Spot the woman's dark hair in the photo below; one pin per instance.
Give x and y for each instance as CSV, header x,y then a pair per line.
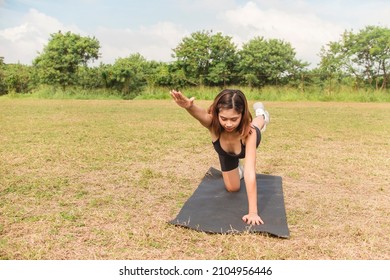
x,y
231,99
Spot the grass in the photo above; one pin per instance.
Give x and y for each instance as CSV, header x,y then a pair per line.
x,y
99,179
268,93
280,93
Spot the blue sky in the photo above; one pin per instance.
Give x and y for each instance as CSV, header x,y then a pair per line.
x,y
154,27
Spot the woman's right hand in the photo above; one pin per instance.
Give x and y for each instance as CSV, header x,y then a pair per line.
x,y
252,219
182,100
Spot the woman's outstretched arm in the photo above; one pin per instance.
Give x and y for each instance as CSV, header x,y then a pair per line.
x,y
197,112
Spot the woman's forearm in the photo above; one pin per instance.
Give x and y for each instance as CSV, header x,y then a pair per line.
x,y
251,189
200,114
188,103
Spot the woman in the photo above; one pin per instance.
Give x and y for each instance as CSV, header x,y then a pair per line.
x,y
235,135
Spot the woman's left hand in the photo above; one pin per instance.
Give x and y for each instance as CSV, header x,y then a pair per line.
x,y
252,219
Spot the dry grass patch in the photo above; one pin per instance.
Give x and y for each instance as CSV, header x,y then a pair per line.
x,y
100,180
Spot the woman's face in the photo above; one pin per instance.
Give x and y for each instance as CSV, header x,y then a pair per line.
x,y
229,119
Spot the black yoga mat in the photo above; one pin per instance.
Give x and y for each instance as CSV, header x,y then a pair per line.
x,y
212,209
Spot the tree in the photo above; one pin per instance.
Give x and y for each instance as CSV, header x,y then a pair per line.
x,y
223,58
206,58
59,62
153,72
3,86
364,55
18,78
263,62
333,65
129,74
90,77
174,76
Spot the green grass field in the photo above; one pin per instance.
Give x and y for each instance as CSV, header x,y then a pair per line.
x,y
100,179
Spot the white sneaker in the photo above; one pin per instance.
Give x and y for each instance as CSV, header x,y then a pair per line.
x,y
241,171
260,111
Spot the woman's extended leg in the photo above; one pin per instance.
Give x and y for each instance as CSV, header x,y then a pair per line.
x,y
259,122
262,116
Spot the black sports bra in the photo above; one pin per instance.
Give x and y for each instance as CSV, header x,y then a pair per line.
x,y
222,152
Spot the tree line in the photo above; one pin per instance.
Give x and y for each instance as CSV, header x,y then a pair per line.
x,y
357,59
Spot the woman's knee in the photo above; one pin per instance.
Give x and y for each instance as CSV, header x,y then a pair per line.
x,y
232,185
232,188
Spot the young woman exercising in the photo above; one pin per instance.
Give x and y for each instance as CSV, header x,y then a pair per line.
x,y
235,135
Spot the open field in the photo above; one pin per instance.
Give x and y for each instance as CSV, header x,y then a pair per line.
x,y
83,179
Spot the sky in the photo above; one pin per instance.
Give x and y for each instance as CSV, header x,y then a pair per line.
x,y
153,28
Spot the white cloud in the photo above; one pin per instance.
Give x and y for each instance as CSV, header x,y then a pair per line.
x,y
22,43
307,25
205,6
306,32
153,42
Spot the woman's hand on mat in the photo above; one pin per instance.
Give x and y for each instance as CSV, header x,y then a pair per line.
x,y
182,100
252,219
